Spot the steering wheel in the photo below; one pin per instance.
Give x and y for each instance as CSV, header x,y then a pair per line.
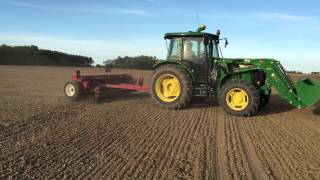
x,y
175,57
202,54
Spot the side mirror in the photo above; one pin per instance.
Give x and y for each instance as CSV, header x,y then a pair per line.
x,y
226,43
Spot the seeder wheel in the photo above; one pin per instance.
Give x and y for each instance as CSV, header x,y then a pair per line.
x,y
72,90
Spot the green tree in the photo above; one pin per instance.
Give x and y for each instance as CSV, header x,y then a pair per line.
x,y
138,62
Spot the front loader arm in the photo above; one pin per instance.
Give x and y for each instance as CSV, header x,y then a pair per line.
x,y
303,94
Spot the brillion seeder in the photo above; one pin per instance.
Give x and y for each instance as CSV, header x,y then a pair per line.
x,y
97,84
195,68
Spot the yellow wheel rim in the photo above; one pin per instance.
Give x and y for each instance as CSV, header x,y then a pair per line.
x,y
237,99
168,88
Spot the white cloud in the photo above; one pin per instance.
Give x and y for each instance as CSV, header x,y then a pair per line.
x,y
107,10
97,10
99,50
21,4
286,17
250,17
132,11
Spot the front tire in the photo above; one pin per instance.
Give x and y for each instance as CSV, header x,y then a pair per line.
x,y
171,87
240,98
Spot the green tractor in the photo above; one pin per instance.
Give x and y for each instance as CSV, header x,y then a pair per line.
x,y
243,86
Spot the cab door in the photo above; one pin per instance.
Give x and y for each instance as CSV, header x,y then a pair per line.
x,y
194,53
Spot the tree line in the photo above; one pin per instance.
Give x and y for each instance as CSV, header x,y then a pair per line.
x,y
295,72
299,72
32,55
137,62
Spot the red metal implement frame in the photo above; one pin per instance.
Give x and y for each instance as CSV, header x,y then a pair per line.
x,y
98,83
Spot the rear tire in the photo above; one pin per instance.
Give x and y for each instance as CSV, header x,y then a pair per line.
x,y
239,98
171,87
72,90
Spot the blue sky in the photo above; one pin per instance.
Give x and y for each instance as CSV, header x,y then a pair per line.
x,y
287,30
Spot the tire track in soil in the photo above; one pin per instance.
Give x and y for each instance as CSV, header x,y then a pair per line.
x,y
231,150
302,135
240,160
168,149
250,153
37,128
242,156
80,137
141,142
196,152
161,149
151,167
182,166
194,149
286,155
187,166
102,145
268,136
212,147
31,125
285,142
220,172
120,142
171,143
301,148
205,159
124,119
78,140
151,171
264,158
151,145
34,149
265,145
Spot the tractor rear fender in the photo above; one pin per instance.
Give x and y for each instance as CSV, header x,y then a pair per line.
x,y
248,74
180,64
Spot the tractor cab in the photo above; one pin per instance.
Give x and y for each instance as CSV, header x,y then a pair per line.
x,y
194,49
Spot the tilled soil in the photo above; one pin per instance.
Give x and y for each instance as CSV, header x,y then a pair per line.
x,y
44,135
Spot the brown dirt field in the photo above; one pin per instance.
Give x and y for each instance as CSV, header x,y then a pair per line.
x,y
44,135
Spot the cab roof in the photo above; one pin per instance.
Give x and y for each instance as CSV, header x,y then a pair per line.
x,y
190,34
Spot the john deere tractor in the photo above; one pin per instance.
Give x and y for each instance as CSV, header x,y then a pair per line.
x,y
194,69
